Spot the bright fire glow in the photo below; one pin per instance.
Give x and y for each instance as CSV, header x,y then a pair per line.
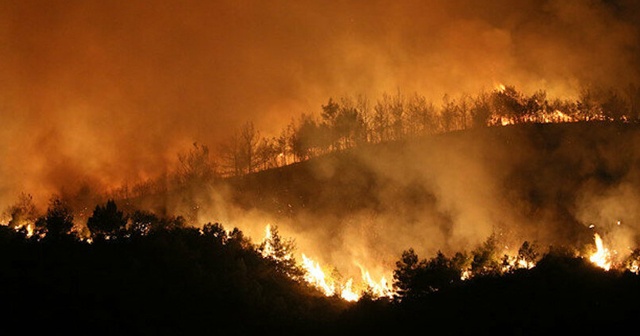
x,y
602,256
317,277
268,248
348,293
378,288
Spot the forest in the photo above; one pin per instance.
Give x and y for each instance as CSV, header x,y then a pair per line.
x,y
320,168
349,121
345,124
141,274
142,259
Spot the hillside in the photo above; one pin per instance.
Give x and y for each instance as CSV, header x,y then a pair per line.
x,y
545,182
553,184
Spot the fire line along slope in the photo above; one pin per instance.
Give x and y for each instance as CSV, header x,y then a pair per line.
x,y
542,182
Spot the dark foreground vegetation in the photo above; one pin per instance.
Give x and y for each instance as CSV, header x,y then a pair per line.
x,y
171,281
177,281
130,271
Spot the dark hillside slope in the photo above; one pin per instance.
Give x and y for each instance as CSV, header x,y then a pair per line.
x,y
546,181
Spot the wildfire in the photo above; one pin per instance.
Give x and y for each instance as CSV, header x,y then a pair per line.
x,y
602,256
514,262
349,290
557,116
348,293
324,281
268,246
28,228
315,276
378,288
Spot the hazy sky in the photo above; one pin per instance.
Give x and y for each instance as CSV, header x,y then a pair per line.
x,y
109,91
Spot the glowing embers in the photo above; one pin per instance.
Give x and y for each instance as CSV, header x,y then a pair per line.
x,y
602,256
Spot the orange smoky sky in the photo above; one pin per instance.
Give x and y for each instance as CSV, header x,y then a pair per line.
x,y
108,91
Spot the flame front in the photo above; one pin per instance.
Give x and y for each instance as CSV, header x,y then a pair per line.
x,y
350,290
315,276
329,286
378,289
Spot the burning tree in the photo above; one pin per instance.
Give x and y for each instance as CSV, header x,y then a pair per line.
x,y
280,252
23,214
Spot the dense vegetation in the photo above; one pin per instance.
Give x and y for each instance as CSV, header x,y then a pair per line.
x,y
134,271
149,275
169,280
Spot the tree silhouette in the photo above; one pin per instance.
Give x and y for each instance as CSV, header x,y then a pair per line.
x,y
439,272
195,167
231,155
405,274
528,253
481,110
348,125
142,222
58,221
330,113
614,106
249,140
107,221
381,122
449,114
414,278
421,116
589,106
23,213
509,103
215,231
309,138
485,258
280,251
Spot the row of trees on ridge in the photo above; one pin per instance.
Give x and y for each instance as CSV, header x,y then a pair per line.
x,y
351,121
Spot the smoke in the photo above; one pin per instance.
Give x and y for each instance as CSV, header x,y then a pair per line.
x,y
551,185
96,94
107,92
610,209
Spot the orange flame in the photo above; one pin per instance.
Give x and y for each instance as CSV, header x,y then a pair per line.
x,y
316,276
602,256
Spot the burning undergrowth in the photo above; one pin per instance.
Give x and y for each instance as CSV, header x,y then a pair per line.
x,y
352,213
